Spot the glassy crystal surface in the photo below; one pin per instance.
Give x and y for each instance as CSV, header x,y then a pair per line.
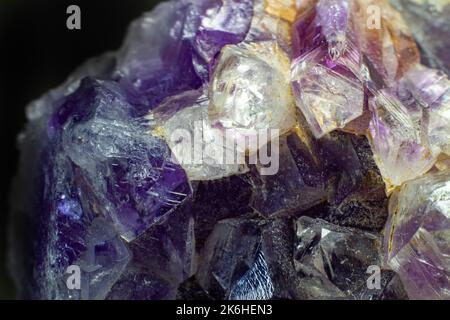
x,y
163,257
417,236
197,146
341,256
398,146
233,265
250,89
267,25
387,44
431,88
409,126
324,82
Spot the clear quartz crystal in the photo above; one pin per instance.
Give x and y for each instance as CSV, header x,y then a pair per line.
x,y
265,26
250,88
140,168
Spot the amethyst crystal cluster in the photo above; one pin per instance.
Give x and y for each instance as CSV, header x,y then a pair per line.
x,y
357,208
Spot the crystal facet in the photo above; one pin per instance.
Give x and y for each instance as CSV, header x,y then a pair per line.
x,y
240,149
417,236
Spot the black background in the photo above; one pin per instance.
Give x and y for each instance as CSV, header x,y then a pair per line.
x,y
37,52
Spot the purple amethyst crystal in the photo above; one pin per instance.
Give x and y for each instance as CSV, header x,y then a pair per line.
x,y
333,129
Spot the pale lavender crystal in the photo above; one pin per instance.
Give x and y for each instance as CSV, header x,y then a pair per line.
x,y
341,256
332,17
266,27
417,236
125,169
104,260
95,158
410,124
97,175
325,71
197,146
431,89
227,23
172,48
429,23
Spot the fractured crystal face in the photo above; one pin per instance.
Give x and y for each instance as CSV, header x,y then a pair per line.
x,y
268,27
338,56
398,147
104,260
171,49
163,257
327,99
431,88
417,236
255,284
229,23
387,45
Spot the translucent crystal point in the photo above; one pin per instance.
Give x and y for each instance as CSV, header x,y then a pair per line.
x,y
410,125
417,236
341,256
324,74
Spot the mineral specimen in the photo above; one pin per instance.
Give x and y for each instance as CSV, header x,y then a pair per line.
x,y
240,149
